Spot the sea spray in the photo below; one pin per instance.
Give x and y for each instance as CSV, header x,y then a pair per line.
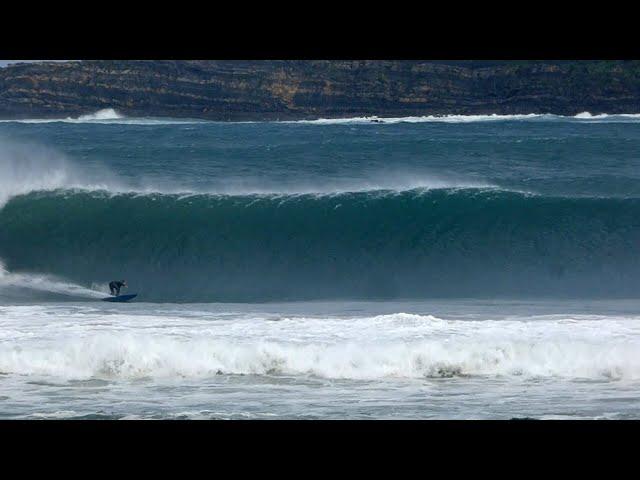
x,y
19,284
26,168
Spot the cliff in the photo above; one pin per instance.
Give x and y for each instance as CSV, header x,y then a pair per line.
x,y
261,90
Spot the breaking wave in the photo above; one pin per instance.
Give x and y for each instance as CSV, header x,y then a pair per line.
x,y
105,114
376,244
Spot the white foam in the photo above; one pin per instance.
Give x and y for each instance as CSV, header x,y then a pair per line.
x,y
587,115
111,116
373,120
421,119
104,114
87,343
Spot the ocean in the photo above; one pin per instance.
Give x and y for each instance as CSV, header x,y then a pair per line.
x,y
460,267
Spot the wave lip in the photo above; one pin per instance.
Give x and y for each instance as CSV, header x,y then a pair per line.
x,y
30,168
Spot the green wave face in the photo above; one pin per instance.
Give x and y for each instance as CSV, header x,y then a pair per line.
x,y
370,245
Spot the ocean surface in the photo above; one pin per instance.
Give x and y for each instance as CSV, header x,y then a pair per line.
x,y
462,267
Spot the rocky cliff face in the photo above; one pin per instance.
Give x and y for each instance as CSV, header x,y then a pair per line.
x,y
262,90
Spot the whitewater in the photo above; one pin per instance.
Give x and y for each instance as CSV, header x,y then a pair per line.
x,y
427,267
321,360
111,116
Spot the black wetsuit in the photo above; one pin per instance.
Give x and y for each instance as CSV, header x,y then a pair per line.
x,y
115,287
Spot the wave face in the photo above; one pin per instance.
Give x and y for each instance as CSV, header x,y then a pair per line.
x,y
372,245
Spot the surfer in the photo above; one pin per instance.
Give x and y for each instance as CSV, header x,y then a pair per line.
x,y
115,286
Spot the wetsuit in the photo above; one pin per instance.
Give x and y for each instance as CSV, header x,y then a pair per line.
x,y
115,287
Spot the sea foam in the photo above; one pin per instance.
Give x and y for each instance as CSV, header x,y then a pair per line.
x,y
394,346
585,117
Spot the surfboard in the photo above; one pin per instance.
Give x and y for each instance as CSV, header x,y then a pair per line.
x,y
120,298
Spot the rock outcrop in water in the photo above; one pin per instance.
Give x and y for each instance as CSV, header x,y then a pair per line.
x,y
266,90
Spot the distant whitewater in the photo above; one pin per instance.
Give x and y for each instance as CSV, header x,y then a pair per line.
x,y
105,114
584,116
111,116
